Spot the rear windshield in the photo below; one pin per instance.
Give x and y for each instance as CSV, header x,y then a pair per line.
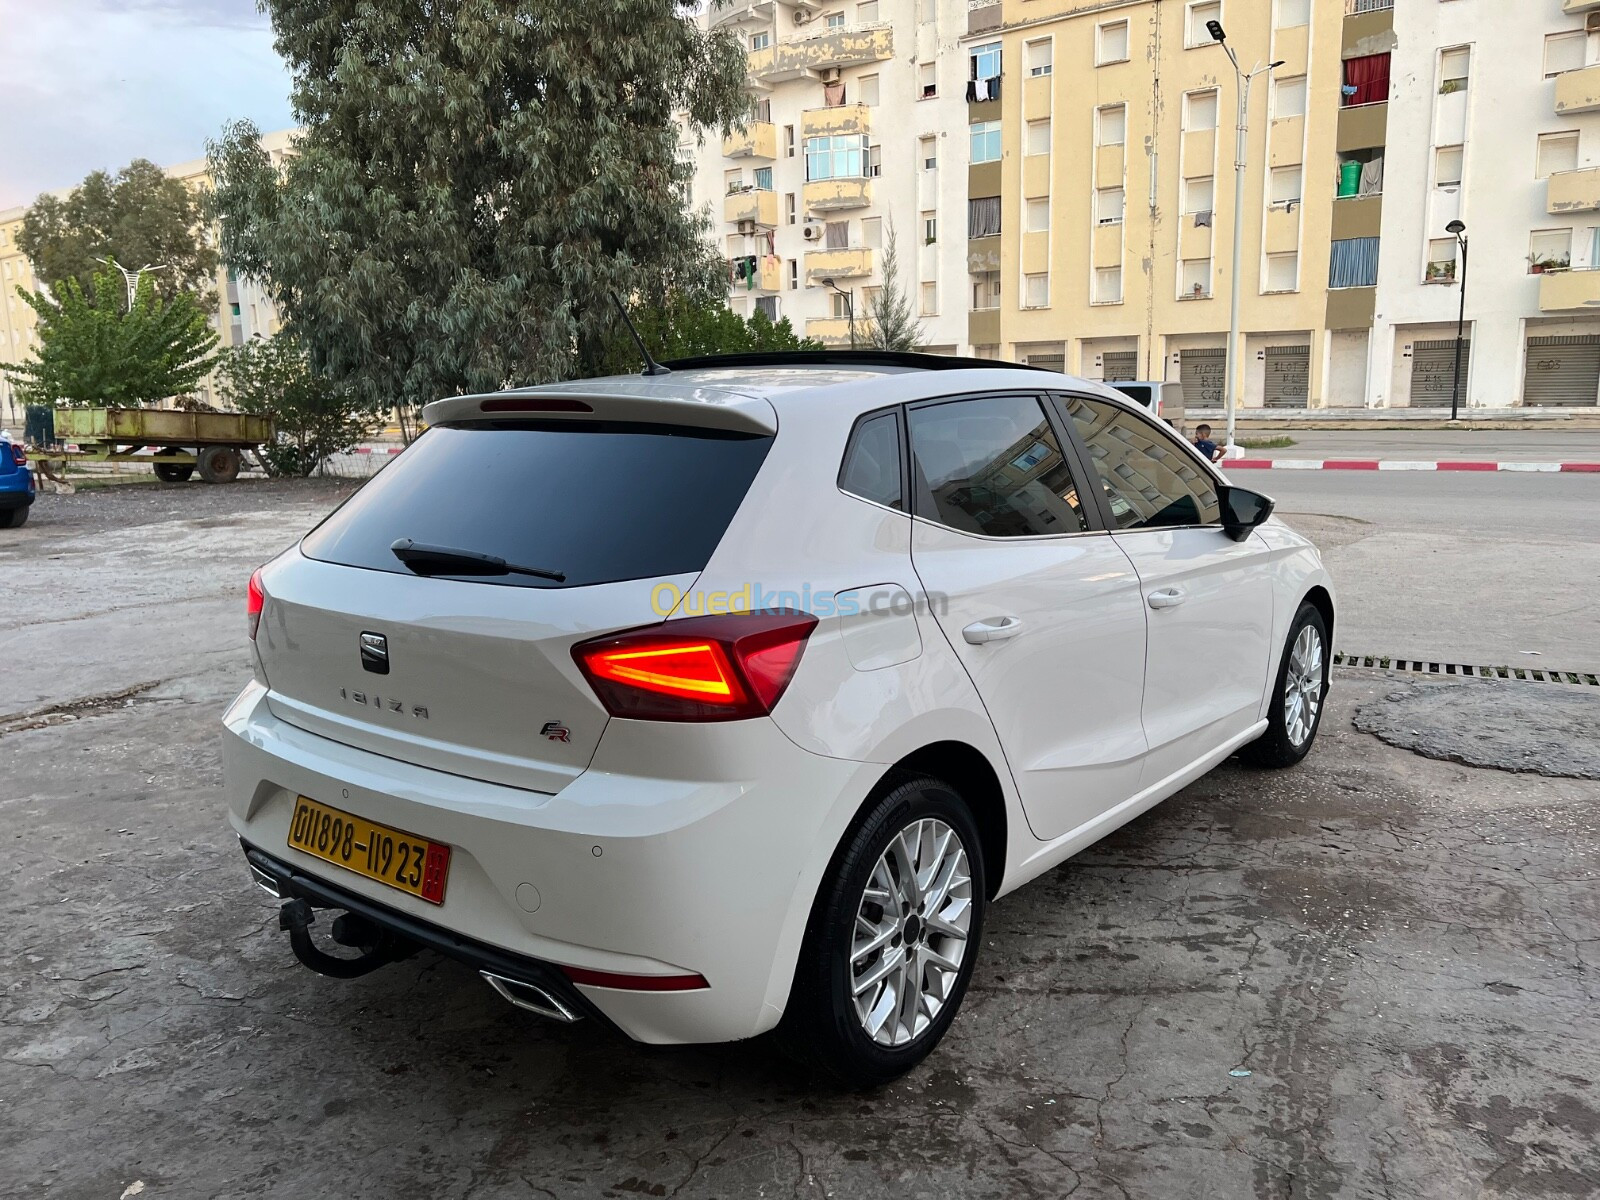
x,y
596,502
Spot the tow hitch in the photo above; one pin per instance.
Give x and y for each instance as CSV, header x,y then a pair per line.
x,y
377,945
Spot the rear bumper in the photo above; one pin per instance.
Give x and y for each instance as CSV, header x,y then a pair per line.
x,y
14,497
618,872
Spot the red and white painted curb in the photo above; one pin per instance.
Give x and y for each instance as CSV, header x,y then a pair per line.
x,y
377,450
1396,464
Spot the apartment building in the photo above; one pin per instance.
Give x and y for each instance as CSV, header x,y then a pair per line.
x,y
858,127
1492,121
244,307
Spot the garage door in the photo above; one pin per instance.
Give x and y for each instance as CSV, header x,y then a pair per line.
x,y
1050,362
1203,374
1119,364
1433,366
1562,371
1288,383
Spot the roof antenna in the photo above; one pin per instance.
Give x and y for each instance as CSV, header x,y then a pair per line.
x,y
651,366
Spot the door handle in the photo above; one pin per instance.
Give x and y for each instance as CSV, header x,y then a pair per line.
x,y
1166,598
995,629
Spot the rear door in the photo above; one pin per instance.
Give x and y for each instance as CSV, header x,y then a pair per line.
x,y
1208,599
473,674
1043,610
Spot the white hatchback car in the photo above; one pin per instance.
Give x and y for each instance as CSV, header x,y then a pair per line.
x,y
726,700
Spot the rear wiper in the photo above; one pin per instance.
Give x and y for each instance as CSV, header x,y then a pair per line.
x,y
442,560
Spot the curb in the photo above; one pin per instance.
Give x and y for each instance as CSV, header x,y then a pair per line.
x,y
1395,464
377,450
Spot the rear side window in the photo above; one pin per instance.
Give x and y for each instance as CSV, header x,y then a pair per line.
x,y
1134,391
992,465
872,461
595,501
1150,479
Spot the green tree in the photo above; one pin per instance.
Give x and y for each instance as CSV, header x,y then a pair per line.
x,y
474,179
686,326
93,352
313,418
140,216
890,323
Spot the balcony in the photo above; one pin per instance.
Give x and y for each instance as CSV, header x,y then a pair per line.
x,y
852,263
1357,216
1368,30
1580,6
831,331
1362,127
833,195
1573,191
805,56
840,119
983,326
1578,91
759,140
755,273
1563,291
752,205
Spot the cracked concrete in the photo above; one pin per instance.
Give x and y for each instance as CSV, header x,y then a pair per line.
x,y
1400,952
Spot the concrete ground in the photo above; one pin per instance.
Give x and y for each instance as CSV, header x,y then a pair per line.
x,y
1370,976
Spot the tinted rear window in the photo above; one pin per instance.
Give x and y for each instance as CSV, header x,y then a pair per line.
x,y
598,501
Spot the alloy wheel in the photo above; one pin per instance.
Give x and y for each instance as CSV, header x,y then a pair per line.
x,y
1302,686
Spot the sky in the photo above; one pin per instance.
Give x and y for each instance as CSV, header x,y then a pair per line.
x,y
90,84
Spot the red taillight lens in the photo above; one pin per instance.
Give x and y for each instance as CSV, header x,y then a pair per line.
x,y
254,599
635,983
19,454
722,668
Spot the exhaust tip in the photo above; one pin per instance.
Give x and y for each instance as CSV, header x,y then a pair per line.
x,y
265,882
530,997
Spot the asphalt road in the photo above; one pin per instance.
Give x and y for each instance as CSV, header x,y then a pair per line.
x,y
1370,976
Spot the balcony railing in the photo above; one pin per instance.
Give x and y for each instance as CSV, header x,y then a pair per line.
x,y
758,139
1353,7
848,263
760,206
1578,91
1560,291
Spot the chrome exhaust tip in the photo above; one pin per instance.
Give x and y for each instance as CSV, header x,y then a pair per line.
x,y
528,996
265,882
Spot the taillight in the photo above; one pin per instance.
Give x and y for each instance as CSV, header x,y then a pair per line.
x,y
19,455
253,601
722,668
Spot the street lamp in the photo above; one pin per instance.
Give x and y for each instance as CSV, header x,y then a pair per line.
x,y
1214,28
1459,229
131,278
849,307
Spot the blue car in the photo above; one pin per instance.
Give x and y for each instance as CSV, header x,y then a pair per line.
x,y
16,486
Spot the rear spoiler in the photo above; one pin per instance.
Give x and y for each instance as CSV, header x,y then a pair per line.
x,y
652,401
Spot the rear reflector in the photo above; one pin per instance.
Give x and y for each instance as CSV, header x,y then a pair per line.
x,y
635,983
254,600
721,668
534,404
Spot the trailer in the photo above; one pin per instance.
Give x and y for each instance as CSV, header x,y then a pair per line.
x,y
212,443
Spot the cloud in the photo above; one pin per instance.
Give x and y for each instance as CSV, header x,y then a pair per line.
x,y
89,84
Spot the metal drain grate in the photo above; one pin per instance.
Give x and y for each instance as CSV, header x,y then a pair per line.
x,y
1417,666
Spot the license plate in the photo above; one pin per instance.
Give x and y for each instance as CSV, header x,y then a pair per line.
x,y
393,857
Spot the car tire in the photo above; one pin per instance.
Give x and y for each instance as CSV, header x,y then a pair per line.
x,y
13,518
826,1025
1299,694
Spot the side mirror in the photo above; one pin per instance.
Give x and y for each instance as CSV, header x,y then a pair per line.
x,y
1243,510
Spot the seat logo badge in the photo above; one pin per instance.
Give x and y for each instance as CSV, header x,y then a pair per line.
x,y
389,703
556,731
375,653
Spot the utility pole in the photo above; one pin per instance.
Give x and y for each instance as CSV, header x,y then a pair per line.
x,y
131,278
1214,28
1459,229
849,307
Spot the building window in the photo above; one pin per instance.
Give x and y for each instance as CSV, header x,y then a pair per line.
x,y
1549,250
868,93
839,306
1196,33
1366,80
788,141
985,141
788,208
1289,97
930,228
1109,204
929,299
874,161
1107,286
1557,152
1037,137
1039,56
986,290
760,41
836,20
1564,52
983,216
768,306
1036,291
1111,125
1287,184
1441,261
1283,272
840,156
867,12
984,64
928,80
1200,111
763,179
794,274
1196,278
1291,13
1199,195
1447,166
1037,215
1454,70
1111,43
872,232
930,153
1353,263
836,235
